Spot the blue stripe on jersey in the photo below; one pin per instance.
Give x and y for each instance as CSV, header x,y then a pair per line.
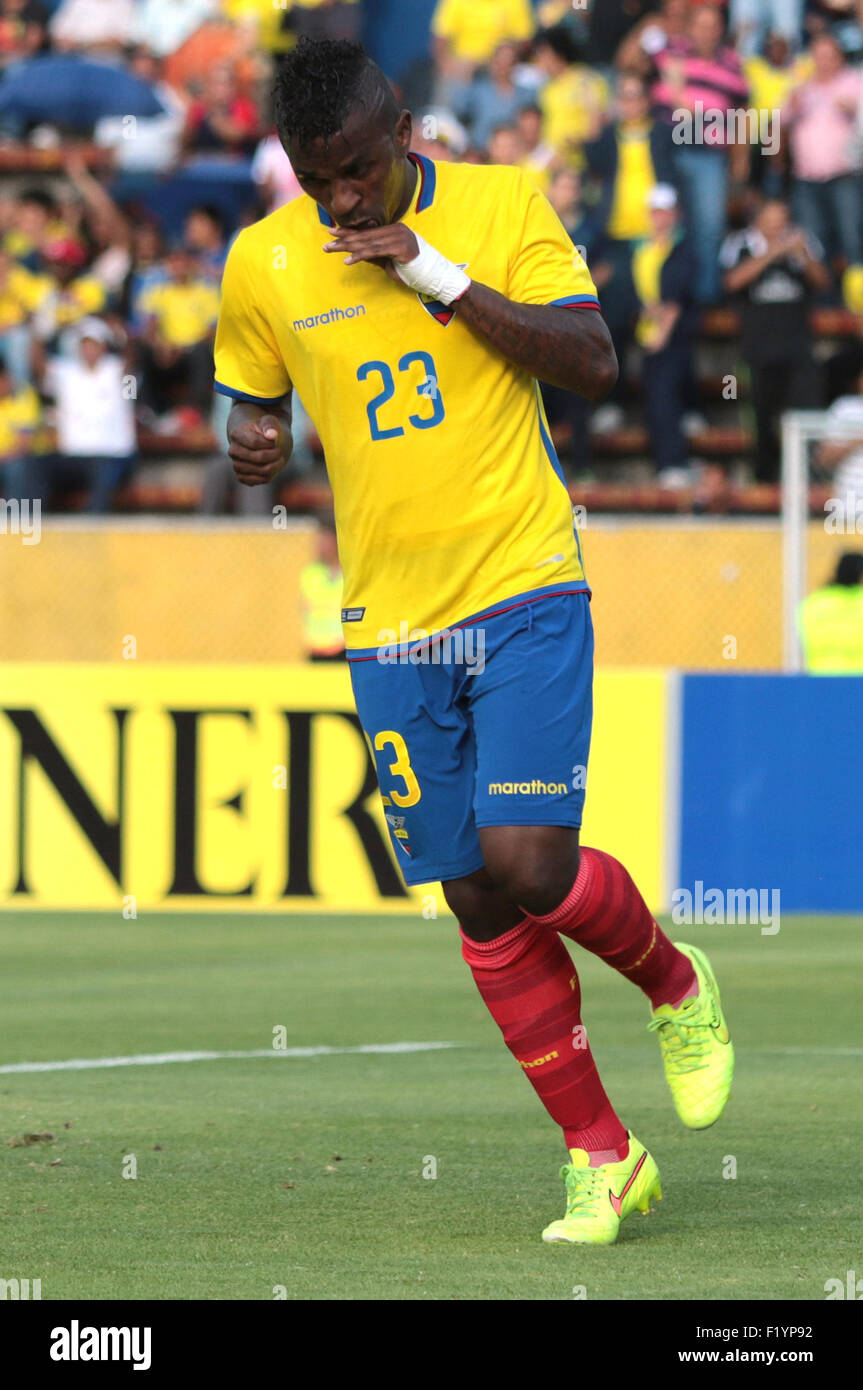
x,y
324,216
556,465
428,174
546,439
245,396
575,299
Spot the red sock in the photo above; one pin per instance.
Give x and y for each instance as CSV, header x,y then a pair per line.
x,y
605,913
529,983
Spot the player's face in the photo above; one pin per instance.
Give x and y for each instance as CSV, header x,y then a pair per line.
x,y
358,176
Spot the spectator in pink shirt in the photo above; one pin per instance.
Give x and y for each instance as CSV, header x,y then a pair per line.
x,y
701,81
822,115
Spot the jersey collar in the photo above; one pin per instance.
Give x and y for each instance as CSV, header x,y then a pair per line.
x,y
426,186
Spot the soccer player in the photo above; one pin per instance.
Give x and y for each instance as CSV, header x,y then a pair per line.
x,y
414,306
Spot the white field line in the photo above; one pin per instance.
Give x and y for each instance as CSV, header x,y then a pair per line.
x,y
156,1059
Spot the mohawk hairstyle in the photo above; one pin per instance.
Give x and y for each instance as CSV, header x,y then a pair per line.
x,y
320,82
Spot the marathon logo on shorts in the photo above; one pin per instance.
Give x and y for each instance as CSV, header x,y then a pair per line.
x,y
353,615
534,788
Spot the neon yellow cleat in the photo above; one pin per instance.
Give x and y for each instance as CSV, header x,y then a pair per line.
x,y
696,1049
598,1199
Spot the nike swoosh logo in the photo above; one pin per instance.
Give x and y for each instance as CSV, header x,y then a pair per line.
x,y
617,1202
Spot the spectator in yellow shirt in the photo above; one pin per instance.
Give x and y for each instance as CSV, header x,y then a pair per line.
x,y
21,294
467,32
177,352
73,294
36,221
574,99
772,78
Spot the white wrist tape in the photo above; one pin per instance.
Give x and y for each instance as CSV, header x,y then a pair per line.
x,y
431,273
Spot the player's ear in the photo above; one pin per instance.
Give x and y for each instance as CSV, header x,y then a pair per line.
x,y
404,130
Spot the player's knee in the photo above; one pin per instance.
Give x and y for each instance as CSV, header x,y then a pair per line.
x,y
467,902
535,873
478,907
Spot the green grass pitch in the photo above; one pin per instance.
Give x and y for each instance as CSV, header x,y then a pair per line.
x,y
307,1173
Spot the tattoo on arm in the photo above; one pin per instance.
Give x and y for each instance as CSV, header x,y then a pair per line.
x,y
570,348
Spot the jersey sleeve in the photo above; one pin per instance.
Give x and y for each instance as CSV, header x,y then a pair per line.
x,y
249,366
544,266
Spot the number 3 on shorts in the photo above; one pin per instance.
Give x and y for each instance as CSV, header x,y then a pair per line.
x,y
400,768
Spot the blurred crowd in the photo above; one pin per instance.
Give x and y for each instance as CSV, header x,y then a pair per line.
x,y
701,154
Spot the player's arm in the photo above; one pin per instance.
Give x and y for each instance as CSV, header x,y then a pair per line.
x,y
259,440
250,369
567,347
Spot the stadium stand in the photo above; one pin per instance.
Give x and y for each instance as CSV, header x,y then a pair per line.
x,y
135,141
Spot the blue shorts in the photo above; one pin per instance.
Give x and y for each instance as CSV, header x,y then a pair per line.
x,y
487,725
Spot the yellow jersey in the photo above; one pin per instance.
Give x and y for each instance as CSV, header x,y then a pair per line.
x,y
474,28
770,87
185,313
571,106
448,493
21,294
20,414
629,219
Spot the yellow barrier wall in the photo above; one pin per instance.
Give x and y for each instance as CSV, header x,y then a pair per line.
x,y
209,594
140,786
664,595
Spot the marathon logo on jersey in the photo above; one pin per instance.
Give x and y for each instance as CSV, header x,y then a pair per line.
x,y
331,316
353,615
441,313
76,1343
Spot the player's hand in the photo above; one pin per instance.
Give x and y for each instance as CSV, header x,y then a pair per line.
x,y
258,449
405,257
380,246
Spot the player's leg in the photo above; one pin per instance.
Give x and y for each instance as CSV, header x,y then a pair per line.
x,y
424,756
531,710
605,913
590,897
527,979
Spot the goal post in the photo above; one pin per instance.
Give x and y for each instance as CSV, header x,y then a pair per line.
x,y
801,430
